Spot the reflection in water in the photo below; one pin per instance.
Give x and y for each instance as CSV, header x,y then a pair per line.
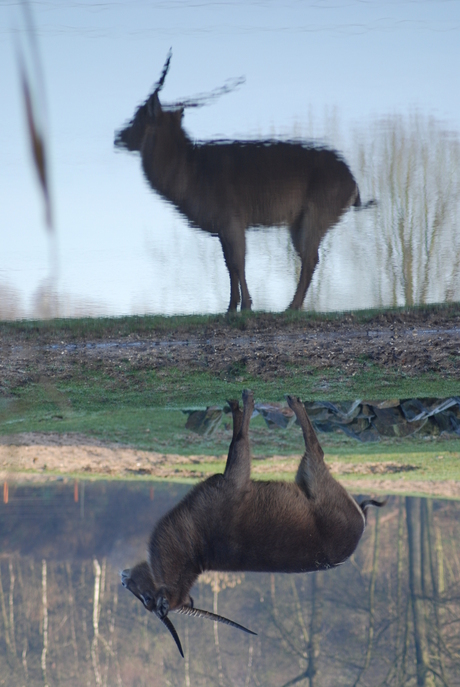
x,y
405,251
225,187
387,616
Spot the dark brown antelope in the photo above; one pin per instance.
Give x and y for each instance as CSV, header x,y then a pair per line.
x,y
231,523
224,187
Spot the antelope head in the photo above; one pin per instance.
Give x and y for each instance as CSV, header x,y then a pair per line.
x,y
152,114
146,115
140,582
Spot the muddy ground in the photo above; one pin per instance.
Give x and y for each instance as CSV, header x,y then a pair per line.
x,y
412,342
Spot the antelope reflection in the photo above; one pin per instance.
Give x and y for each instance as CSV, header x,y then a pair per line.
x,y
225,187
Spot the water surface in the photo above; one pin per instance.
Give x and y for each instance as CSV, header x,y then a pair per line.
x,y
372,80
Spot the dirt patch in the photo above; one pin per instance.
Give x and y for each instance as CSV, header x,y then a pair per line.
x,y
44,453
411,342
42,457
447,489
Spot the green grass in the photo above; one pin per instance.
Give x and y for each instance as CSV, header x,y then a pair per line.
x,y
163,429
123,408
89,391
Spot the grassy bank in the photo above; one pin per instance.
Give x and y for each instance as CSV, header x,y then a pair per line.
x,y
163,430
50,386
110,327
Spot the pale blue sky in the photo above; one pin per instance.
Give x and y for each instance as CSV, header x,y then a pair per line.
x,y
364,58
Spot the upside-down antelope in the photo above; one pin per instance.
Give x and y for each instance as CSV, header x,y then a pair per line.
x,y
232,523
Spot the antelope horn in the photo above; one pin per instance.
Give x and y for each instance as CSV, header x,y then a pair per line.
x,y
197,613
160,82
202,99
166,621
371,502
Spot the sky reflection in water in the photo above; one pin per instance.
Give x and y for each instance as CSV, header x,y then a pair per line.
x,y
372,80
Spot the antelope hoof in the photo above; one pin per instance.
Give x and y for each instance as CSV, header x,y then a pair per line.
x,y
234,405
293,402
248,396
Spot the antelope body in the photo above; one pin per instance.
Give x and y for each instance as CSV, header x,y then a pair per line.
x,y
231,523
225,187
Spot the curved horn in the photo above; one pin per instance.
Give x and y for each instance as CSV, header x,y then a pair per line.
x,y
166,621
202,99
198,613
160,82
371,502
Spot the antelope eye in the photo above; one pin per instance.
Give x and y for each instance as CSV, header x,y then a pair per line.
x,y
147,599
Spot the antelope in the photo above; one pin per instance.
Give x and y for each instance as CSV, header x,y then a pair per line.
x,y
231,523
224,187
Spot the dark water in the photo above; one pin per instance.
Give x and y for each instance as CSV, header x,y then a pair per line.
x,y
388,616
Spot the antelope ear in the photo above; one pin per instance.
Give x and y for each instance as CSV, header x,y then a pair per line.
x,y
162,606
153,106
178,114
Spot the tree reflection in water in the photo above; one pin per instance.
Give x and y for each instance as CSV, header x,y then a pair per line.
x,y
388,616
